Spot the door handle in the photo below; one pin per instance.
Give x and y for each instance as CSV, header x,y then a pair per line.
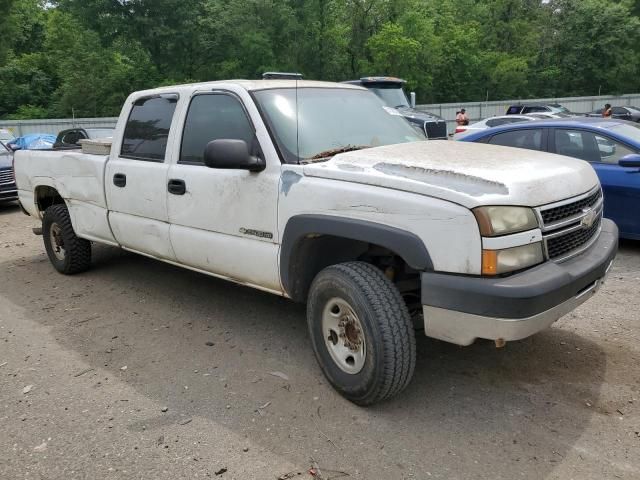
x,y
120,180
177,186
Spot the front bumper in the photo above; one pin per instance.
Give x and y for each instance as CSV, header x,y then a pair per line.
x,y
459,308
8,192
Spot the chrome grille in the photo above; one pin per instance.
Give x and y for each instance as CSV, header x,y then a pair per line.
x,y
558,247
436,129
571,226
6,176
563,212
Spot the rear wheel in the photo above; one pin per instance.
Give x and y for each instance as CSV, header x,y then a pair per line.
x,y
361,332
67,252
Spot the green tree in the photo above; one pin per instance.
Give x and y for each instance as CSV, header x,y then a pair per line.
x,y
596,46
84,57
392,50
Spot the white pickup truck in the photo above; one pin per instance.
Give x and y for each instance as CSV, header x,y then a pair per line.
x,y
318,192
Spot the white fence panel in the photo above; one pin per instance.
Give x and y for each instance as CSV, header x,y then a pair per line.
x,y
54,125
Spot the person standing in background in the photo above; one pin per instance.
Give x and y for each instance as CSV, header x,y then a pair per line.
x,y
461,118
607,112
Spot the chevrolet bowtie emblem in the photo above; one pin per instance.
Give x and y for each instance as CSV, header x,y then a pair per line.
x,y
589,218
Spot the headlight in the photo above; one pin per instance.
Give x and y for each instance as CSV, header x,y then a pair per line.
x,y
495,221
495,262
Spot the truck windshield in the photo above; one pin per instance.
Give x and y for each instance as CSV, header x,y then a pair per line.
x,y
330,120
391,95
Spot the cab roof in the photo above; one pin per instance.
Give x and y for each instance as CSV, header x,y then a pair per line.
x,y
249,85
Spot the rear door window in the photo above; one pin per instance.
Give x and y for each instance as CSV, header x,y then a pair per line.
x,y
525,138
147,130
619,111
213,117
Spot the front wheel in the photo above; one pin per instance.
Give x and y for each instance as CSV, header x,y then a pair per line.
x,y
361,332
67,252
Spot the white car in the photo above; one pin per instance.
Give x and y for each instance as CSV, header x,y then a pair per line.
x,y
320,193
462,131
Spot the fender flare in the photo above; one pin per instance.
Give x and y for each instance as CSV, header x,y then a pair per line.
x,y
405,244
51,183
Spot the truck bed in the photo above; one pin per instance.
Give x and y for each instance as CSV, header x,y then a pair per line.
x,y
79,179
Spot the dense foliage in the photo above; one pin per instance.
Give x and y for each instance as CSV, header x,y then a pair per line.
x,y
82,57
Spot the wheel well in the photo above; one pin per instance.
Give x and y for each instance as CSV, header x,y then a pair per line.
x,y
314,252
47,196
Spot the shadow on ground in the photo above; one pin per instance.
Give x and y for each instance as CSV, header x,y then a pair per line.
x,y
7,208
496,412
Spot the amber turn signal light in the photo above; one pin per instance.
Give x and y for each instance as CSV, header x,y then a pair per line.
x,y
489,262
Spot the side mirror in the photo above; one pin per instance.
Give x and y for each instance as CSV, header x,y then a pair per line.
x,y
630,161
231,154
412,101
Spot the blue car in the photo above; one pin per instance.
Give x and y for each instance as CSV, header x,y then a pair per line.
x,y
611,146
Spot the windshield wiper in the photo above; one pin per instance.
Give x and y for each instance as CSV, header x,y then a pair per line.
x,y
333,151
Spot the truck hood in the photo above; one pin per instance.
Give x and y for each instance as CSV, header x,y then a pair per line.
x,y
469,174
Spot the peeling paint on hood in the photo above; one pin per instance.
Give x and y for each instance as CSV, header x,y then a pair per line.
x,y
470,174
445,178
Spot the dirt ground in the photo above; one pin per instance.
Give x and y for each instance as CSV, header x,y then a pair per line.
x,y
138,369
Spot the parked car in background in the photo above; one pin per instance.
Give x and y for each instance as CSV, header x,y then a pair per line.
x,y
391,92
611,146
527,108
33,141
71,137
6,135
8,189
631,114
464,130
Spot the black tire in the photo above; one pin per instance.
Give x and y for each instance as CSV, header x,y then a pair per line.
x,y
71,254
387,328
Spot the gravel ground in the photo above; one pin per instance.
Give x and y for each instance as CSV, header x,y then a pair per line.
x,y
138,369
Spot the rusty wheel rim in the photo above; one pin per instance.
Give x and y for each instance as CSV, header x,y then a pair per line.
x,y
57,243
344,336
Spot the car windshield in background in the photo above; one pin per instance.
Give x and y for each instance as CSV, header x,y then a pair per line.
x,y
560,109
391,95
330,120
628,130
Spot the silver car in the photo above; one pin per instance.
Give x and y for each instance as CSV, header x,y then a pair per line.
x,y
463,130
